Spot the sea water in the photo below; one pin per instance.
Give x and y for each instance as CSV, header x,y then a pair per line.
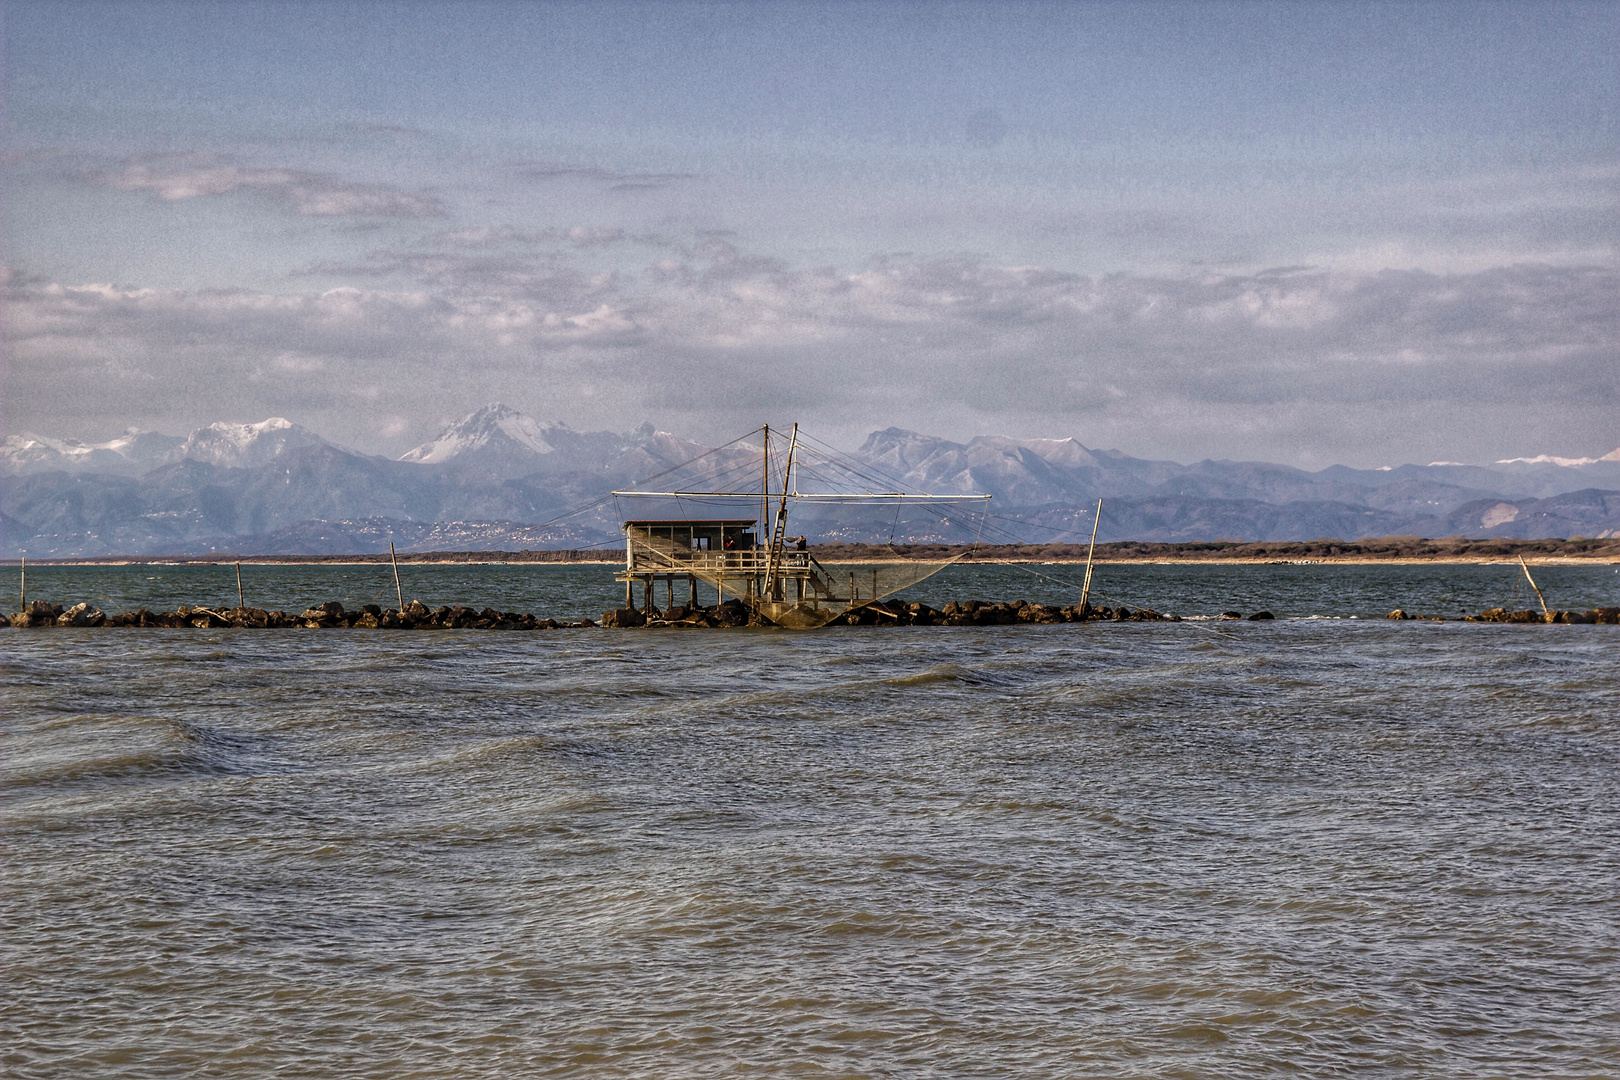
x,y
1322,845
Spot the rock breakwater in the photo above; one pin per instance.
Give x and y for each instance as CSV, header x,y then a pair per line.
x,y
732,613
1607,615
892,613
330,615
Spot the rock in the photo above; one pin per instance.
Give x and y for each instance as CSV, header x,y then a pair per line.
x,y
1397,615
247,618
39,613
1261,616
732,612
1039,613
1502,615
996,615
80,615
921,614
328,615
1231,614
624,618
367,621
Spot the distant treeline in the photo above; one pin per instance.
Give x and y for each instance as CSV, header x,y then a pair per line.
x,y
1388,547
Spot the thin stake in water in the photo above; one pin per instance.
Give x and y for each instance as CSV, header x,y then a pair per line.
x,y
239,603
398,594
1085,588
1544,612
23,586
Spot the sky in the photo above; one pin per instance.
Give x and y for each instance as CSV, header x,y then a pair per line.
x,y
1311,233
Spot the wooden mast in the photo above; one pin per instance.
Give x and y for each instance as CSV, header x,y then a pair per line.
x,y
764,503
1085,589
779,530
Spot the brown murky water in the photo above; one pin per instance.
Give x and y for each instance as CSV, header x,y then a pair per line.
x,y
1318,847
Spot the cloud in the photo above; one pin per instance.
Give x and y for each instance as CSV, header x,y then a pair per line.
x,y
611,179
485,237
1283,363
177,178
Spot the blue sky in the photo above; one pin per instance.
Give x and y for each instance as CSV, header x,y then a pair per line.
x,y
1299,232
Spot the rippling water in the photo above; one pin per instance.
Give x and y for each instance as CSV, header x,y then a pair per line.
x,y
1190,849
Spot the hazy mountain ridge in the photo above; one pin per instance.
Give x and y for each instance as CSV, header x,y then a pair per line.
x,y
497,474
136,451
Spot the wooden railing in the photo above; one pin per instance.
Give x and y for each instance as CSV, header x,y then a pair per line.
x,y
653,555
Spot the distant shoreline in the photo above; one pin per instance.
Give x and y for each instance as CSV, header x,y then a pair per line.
x,y
1395,551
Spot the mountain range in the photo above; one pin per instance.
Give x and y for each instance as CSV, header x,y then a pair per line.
x,y
497,478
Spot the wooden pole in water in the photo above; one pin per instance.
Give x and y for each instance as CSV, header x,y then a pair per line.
x,y
23,586
1085,589
1544,612
239,603
399,594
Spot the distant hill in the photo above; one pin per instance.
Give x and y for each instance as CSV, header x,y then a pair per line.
x,y
489,480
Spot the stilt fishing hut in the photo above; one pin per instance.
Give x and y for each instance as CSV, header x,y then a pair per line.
x,y
675,552
754,560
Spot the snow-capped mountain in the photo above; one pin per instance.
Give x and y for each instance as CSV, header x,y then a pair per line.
x,y
1561,462
496,432
272,484
134,451
498,440
237,446
245,446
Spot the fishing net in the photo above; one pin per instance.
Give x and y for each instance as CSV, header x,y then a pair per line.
x,y
790,586
723,520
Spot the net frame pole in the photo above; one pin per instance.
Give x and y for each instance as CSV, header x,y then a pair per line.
x,y
773,556
765,489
